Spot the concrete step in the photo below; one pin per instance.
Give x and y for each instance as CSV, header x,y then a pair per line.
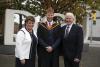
x,y
7,49
10,49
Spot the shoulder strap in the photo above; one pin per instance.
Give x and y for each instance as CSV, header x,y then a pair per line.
x,y
22,31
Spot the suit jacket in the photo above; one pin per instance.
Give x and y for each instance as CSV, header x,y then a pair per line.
x,y
73,43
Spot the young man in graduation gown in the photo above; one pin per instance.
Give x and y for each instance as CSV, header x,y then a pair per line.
x,y
48,41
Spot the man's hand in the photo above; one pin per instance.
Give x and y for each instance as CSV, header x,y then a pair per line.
x,y
22,61
76,60
49,49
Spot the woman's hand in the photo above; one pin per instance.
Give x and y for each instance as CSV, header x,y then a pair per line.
x,y
22,61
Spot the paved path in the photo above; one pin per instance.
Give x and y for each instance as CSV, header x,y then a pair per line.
x,y
7,61
90,58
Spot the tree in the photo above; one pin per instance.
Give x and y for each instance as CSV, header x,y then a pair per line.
x,y
38,7
3,5
94,4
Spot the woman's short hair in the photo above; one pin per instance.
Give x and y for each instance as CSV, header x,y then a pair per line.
x,y
31,18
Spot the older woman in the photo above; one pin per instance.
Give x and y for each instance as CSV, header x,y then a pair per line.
x,y
26,42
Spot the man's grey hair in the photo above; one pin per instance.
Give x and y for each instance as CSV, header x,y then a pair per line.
x,y
72,15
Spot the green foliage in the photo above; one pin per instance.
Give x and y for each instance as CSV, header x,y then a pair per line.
x,y
38,7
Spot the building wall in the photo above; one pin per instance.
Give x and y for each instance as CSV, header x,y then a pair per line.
x,y
4,4
0,24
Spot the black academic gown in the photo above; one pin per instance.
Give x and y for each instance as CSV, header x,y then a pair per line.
x,y
48,37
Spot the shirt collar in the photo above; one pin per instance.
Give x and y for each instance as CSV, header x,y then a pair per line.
x,y
70,25
50,22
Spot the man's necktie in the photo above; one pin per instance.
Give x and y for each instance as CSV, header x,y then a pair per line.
x,y
49,25
66,31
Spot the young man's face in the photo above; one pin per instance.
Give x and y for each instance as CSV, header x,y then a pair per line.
x,y
50,16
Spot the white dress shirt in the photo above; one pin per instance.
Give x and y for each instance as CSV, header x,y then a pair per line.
x,y
70,26
50,23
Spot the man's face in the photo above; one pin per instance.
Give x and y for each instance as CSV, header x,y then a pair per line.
x,y
50,16
69,19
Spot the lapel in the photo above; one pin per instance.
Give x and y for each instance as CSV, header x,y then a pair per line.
x,y
63,30
45,25
72,29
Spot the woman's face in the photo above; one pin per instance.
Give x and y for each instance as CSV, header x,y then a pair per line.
x,y
29,25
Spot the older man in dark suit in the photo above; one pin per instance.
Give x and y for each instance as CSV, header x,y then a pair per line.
x,y
72,41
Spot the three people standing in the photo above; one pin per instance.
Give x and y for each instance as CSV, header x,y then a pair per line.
x,y
50,35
